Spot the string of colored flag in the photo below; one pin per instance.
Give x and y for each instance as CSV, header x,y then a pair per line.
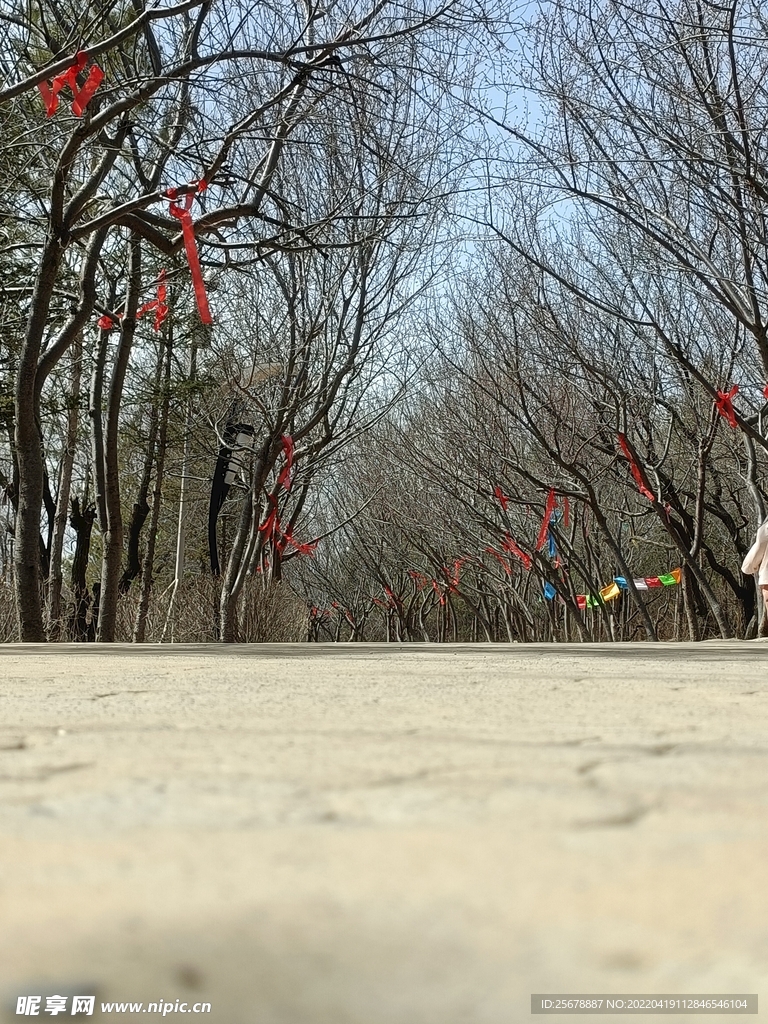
x,y
615,588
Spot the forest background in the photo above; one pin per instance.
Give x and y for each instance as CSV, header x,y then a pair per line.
x,y
374,321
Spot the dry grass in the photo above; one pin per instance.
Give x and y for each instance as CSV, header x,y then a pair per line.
x,y
269,613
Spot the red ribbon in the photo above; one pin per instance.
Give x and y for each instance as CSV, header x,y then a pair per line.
x,y
438,591
190,245
635,469
284,480
765,391
158,304
548,510
724,405
271,524
418,578
301,549
81,97
503,499
453,578
106,323
504,563
509,545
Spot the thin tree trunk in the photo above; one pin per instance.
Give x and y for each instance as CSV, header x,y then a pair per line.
x,y
113,538
29,453
147,571
62,498
82,524
141,505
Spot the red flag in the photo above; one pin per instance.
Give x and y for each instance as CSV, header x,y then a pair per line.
x,y
724,405
509,545
284,480
634,468
190,245
548,510
503,499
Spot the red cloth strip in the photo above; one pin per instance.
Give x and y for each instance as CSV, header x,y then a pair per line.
x,y
549,508
81,97
503,499
158,304
418,578
106,323
190,246
724,405
509,545
653,581
438,591
271,524
504,562
284,480
634,468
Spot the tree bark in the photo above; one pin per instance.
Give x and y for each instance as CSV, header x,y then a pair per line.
x,y
147,571
55,579
29,453
113,538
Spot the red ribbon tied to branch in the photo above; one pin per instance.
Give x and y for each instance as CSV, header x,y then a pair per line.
x,y
81,96
158,304
724,405
503,499
549,508
106,323
501,559
284,480
190,245
509,545
634,468
271,524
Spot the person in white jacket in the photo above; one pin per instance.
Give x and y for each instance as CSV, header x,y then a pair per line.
x,y
757,560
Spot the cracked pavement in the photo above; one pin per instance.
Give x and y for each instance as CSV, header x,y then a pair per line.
x,y
372,834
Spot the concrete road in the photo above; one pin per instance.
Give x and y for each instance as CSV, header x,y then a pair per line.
x,y
363,834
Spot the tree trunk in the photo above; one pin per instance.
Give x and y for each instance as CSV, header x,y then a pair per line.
x,y
55,579
149,557
141,505
29,453
113,538
82,524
